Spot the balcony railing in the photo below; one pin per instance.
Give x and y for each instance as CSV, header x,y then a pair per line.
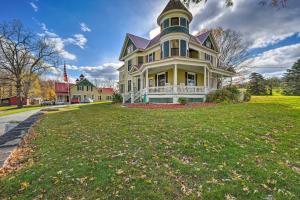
x,y
177,90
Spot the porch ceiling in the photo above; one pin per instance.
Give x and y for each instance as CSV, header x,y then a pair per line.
x,y
189,68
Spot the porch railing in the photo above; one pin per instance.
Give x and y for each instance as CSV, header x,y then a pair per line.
x,y
177,90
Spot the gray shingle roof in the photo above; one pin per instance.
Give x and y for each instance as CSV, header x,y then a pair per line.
x,y
174,4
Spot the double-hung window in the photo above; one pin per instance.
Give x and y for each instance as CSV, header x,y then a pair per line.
x,y
174,47
140,60
151,57
129,85
129,64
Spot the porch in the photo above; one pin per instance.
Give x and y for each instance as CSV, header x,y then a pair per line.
x,y
167,83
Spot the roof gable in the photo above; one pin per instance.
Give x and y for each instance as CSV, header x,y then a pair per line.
x,y
205,37
85,82
137,42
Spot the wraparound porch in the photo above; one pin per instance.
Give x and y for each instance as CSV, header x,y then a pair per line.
x,y
173,80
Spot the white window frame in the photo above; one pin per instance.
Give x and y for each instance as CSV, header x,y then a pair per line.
x,y
193,74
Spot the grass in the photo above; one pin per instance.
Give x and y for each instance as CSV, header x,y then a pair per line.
x,y
8,110
243,151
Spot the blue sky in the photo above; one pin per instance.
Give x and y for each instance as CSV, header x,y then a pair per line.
x,y
91,32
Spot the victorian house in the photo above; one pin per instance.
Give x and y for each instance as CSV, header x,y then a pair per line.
x,y
173,64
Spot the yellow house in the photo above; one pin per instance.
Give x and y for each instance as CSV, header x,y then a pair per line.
x,y
171,65
84,91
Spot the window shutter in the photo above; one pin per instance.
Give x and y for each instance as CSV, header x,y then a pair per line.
x,y
196,81
153,56
183,48
186,77
167,77
155,81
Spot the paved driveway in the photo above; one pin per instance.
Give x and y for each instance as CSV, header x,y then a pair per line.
x,y
10,121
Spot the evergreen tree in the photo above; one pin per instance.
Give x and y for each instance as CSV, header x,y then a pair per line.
x,y
292,80
257,85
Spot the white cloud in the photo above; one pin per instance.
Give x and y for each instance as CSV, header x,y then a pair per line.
x,y
261,25
34,6
275,61
84,27
78,40
60,43
114,65
154,32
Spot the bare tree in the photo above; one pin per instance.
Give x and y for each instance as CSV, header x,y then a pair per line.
x,y
24,54
229,3
233,48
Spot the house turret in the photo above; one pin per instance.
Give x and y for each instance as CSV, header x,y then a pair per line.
x,y
174,22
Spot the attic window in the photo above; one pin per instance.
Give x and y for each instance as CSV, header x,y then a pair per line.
x,y
175,21
129,49
208,44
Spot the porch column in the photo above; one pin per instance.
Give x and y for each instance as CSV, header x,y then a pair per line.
x,y
142,81
175,78
147,81
205,80
208,82
222,81
132,90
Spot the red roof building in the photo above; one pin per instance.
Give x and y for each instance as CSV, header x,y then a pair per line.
x,y
62,91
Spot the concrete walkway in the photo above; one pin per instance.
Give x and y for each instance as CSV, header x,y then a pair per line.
x,y
14,127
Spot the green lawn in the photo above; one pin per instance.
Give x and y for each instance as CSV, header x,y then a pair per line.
x,y
8,110
243,151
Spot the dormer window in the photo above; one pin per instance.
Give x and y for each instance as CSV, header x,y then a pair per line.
x,y
175,21
129,49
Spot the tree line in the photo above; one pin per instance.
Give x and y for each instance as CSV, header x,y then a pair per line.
x,y
288,85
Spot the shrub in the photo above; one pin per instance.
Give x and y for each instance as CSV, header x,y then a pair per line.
x,y
230,94
117,98
247,97
182,100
